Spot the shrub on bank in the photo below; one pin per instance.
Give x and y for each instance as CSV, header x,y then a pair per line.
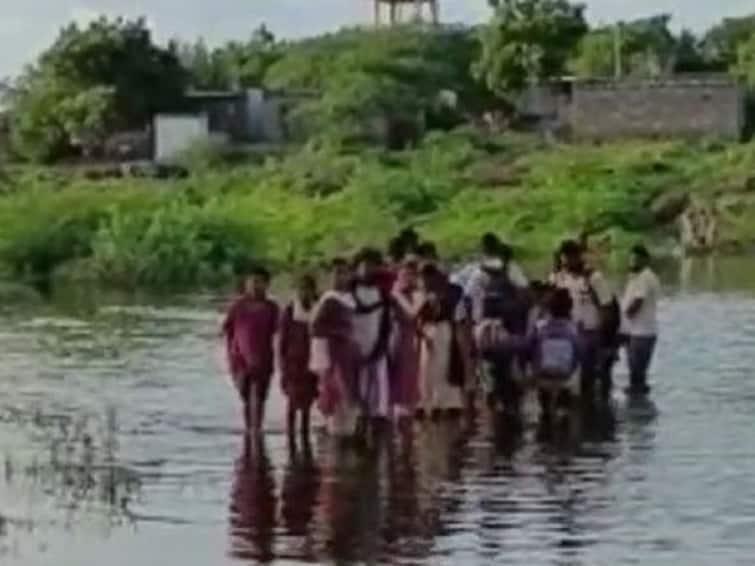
x,y
303,207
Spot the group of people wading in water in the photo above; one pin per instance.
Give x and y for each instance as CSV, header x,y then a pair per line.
x,y
399,338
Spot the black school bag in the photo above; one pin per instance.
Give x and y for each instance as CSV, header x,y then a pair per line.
x,y
504,301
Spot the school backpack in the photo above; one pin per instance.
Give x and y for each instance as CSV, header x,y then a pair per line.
x,y
491,338
502,300
557,355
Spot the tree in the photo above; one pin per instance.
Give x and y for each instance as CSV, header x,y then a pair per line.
x,y
745,64
86,116
689,57
528,40
647,47
37,131
721,43
203,66
595,55
92,80
235,64
357,76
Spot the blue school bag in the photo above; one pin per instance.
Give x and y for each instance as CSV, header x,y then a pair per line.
x,y
557,350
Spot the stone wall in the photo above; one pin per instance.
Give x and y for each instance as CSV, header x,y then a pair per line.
x,y
670,108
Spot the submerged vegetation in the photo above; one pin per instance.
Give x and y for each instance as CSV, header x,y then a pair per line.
x,y
300,208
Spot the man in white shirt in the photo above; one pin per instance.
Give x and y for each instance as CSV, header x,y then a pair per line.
x,y
592,299
640,321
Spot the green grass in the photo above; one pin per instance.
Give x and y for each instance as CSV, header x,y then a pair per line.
x,y
310,204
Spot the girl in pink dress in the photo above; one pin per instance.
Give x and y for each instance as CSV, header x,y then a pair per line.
x,y
299,383
249,329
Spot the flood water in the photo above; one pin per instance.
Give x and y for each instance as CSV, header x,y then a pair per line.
x,y
120,445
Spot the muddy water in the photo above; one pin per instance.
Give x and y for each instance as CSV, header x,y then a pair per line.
x,y
120,445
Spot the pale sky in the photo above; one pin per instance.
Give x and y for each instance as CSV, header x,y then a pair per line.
x,y
27,26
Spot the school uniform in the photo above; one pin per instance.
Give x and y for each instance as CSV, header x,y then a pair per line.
x,y
298,381
589,293
443,367
334,358
249,328
641,330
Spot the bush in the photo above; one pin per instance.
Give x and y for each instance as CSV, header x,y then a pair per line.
x,y
206,154
41,229
307,206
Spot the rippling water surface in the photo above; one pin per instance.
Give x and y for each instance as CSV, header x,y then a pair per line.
x,y
120,445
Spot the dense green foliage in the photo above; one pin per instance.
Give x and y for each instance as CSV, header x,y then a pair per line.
x,y
360,75
92,80
235,64
333,192
356,85
745,65
647,48
304,207
721,43
528,40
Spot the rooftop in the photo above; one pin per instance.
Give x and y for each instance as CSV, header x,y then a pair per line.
x,y
214,94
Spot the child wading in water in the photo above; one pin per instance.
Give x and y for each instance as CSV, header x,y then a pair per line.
x,y
335,355
249,330
555,349
405,341
443,361
299,383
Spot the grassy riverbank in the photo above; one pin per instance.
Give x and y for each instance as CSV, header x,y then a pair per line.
x,y
309,204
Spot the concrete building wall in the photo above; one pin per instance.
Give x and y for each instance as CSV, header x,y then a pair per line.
x,y
273,130
660,108
539,101
255,108
176,133
264,114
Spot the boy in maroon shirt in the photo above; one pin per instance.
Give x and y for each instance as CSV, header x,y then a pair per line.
x,y
249,329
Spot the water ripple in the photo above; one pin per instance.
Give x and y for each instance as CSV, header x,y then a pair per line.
x,y
118,428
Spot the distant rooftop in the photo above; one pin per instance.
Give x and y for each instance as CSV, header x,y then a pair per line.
x,y
214,94
241,92
679,78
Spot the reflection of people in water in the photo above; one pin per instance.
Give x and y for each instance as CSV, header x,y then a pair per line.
x,y
441,451
299,495
351,502
403,532
253,505
574,467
